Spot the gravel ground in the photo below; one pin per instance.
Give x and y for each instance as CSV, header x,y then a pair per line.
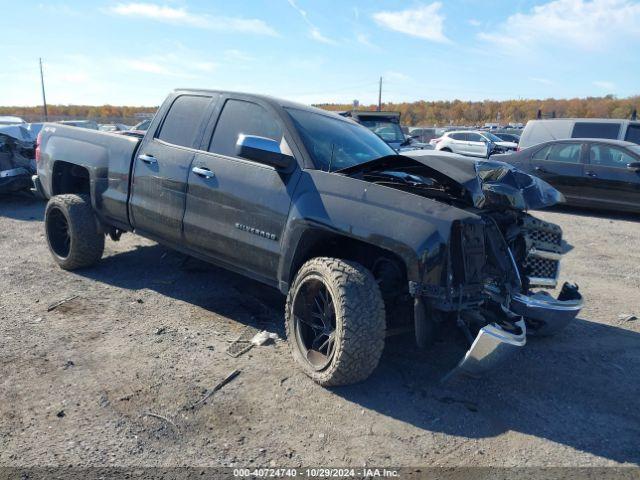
x,y
148,333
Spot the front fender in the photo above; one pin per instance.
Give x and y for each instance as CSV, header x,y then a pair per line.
x,y
415,228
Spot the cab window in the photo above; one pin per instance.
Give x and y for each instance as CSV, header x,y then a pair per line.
x,y
241,117
182,124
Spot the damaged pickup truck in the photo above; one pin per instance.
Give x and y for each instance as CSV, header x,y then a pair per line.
x,y
323,209
17,158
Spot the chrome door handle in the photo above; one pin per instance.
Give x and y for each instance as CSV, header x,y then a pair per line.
x,y
203,172
150,159
591,174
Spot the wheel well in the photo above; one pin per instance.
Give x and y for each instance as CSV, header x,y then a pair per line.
x,y
69,178
388,268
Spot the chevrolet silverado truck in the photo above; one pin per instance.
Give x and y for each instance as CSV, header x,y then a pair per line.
x,y
361,240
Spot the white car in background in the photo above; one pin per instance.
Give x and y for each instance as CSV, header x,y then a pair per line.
x,y
472,143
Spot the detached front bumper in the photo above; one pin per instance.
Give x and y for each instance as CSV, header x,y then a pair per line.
x,y
545,315
492,347
538,314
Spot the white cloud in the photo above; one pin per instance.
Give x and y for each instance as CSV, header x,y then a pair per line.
x,y
605,85
314,32
474,23
169,65
424,21
181,16
587,25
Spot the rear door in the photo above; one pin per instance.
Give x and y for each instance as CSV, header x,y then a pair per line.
x,y
609,182
237,209
459,143
561,165
161,168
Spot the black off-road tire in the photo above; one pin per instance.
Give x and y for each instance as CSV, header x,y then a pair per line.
x,y
85,240
359,318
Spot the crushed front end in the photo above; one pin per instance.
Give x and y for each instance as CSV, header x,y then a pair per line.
x,y
496,267
488,273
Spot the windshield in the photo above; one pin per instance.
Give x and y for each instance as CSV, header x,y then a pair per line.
x,y
385,129
335,144
492,137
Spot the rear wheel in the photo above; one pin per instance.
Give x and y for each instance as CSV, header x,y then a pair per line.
x,y
72,231
335,321
446,149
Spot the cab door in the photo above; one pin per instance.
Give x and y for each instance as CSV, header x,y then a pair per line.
x,y
608,180
561,165
161,168
237,209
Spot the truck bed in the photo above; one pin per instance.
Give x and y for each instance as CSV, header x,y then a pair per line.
x,y
106,156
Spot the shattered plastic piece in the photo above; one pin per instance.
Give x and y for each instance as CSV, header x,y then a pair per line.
x,y
263,337
627,317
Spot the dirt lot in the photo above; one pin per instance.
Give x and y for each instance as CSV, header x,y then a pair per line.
x,y
148,332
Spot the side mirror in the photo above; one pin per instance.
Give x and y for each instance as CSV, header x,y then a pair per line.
x,y
263,150
635,166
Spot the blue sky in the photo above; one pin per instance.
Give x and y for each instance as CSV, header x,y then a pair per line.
x,y
313,51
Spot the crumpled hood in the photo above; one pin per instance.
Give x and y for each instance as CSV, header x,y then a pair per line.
x,y
493,184
482,183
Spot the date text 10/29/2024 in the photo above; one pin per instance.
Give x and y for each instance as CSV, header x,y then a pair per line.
x,y
315,473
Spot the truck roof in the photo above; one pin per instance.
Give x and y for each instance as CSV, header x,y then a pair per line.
x,y
274,101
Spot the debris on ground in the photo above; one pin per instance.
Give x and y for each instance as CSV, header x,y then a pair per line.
x,y
161,417
627,317
220,384
68,363
55,305
242,344
60,414
263,337
161,330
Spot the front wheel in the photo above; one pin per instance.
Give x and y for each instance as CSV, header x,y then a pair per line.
x,y
335,321
72,232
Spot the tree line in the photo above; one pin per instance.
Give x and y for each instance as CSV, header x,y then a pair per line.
x,y
456,112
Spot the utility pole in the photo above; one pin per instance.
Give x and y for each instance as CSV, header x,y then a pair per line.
x,y
44,98
380,96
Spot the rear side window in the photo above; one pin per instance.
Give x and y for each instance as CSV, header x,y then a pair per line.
x,y
565,152
474,137
633,134
596,130
542,153
240,117
182,124
458,136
